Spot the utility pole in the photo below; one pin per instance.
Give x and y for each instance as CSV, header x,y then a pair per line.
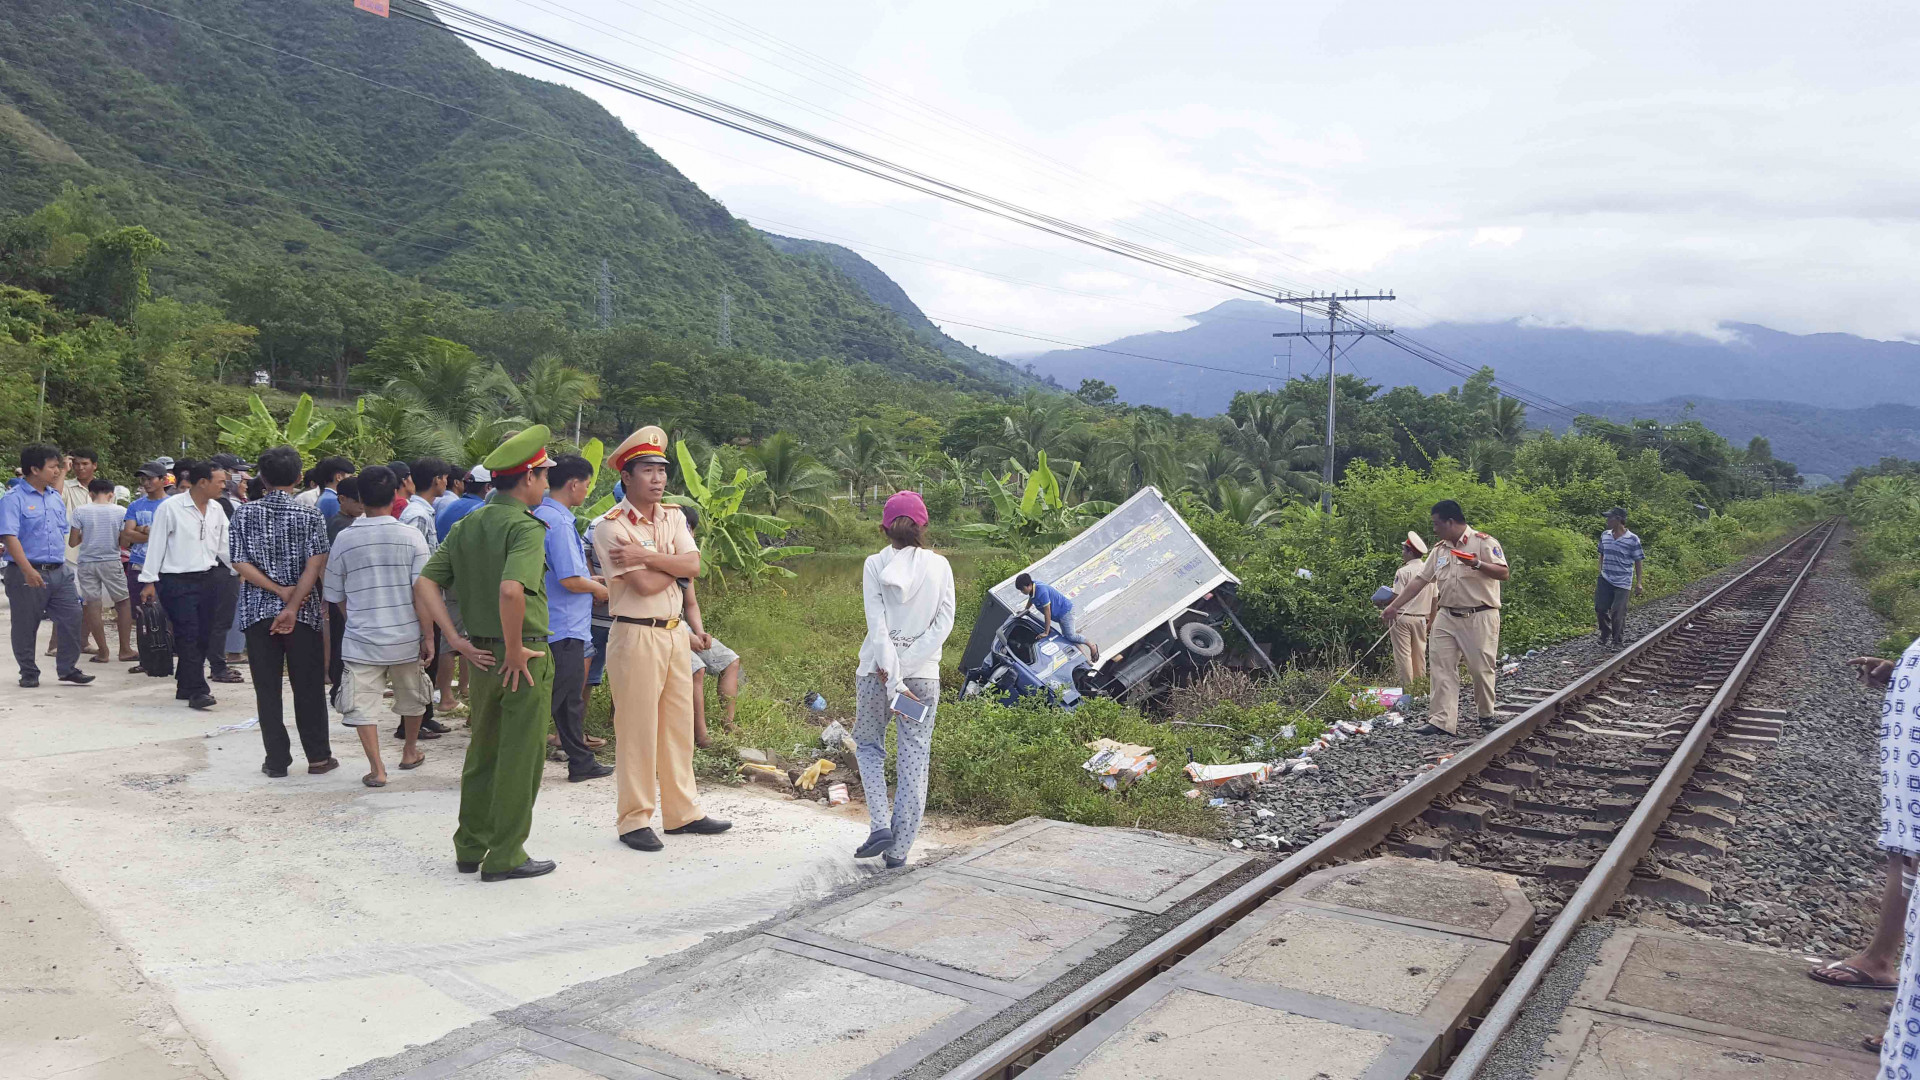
x,y
606,296
726,318
1333,333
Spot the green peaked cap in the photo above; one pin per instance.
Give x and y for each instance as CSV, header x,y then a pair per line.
x,y
526,450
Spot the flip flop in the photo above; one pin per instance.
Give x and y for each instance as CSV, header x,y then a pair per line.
x,y
1848,976
1872,1043
421,761
371,782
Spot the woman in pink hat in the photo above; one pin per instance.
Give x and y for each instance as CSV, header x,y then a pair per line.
x,y
908,592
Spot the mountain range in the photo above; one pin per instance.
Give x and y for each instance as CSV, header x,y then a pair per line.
x,y
1828,402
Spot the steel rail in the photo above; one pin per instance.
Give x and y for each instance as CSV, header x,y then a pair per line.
x,y
1610,874
1352,837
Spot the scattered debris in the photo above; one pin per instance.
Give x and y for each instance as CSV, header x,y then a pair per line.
x,y
1217,775
754,757
1387,697
833,735
1303,574
1117,764
837,795
815,702
248,724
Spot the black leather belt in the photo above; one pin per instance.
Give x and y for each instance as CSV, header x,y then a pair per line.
x,y
1463,612
47,565
664,624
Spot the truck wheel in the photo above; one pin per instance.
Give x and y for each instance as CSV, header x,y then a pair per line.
x,y
1202,641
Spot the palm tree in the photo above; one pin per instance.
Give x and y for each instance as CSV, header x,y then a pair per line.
x,y
794,480
435,395
1141,455
1040,424
863,461
1216,464
1488,457
1505,419
1243,504
553,393
1278,443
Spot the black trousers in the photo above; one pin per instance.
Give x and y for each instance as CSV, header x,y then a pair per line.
x,y
227,599
1610,607
336,631
191,601
570,701
58,601
302,655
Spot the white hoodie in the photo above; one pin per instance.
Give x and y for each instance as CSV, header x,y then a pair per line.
x,y
909,600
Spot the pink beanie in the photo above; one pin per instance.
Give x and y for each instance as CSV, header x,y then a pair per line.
x,y
904,504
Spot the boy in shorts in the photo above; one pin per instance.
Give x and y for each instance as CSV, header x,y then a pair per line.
x,y
95,529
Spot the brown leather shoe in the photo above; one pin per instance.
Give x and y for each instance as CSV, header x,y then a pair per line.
x,y
327,766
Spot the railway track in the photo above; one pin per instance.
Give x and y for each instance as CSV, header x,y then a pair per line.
x,y
1573,795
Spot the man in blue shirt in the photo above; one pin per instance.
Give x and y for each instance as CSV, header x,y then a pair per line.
x,y
1620,560
1056,609
472,498
571,591
40,581
152,478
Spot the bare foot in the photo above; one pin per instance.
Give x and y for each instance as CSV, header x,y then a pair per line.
x,y
129,657
702,741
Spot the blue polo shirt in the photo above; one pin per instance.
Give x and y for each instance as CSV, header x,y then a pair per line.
x,y
328,504
445,517
140,511
1047,597
39,519
569,614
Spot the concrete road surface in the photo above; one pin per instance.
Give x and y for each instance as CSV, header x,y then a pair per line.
x,y
166,910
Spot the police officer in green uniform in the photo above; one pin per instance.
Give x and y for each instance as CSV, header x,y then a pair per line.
x,y
495,561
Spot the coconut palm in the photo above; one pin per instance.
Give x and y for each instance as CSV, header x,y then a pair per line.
x,y
1141,455
553,393
1206,471
793,480
1278,443
863,461
1243,504
1040,424
1505,419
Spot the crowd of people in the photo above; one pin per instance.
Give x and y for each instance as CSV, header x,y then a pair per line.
x,y
415,588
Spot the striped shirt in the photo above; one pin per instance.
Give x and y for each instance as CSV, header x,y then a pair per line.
x,y
371,570
1617,556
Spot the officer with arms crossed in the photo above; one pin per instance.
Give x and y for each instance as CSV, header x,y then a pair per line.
x,y
645,547
1466,568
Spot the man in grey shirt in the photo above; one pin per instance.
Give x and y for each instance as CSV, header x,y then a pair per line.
x,y
371,572
95,528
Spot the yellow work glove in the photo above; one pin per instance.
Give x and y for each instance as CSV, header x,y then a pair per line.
x,y
813,774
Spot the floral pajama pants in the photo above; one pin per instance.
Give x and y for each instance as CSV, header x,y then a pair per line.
x,y
873,710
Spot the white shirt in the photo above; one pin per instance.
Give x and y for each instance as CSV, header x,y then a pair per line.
x,y
908,594
419,514
183,540
447,498
309,497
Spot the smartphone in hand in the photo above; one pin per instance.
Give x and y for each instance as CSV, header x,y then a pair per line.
x,y
909,708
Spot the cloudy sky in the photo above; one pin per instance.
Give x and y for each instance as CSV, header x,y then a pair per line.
x,y
1641,166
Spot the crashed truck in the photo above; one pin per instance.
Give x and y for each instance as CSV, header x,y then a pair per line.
x,y
1144,588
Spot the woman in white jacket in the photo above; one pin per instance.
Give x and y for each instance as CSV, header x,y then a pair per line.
x,y
908,592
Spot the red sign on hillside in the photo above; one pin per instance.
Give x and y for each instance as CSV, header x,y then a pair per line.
x,y
378,7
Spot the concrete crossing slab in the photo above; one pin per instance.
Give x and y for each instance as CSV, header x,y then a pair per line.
x,y
1423,893
1433,978
1753,995
1135,870
1008,939
1186,1024
1596,1046
771,1009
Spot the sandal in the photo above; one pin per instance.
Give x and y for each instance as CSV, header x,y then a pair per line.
x,y
1872,1043
371,782
1839,973
416,764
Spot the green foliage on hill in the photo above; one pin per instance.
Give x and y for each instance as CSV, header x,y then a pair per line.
x,y
318,198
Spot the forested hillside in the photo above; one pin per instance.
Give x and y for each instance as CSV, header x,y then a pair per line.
x,y
313,167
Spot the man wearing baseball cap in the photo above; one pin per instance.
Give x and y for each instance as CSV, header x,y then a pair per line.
x,y
645,547
496,565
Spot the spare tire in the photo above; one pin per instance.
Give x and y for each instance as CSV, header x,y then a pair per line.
x,y
1202,641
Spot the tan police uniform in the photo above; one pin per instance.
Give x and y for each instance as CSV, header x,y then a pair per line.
x,y
647,651
1467,626
1409,629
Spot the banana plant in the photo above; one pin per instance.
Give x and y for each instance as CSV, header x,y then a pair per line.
x,y
587,513
258,430
1040,512
729,537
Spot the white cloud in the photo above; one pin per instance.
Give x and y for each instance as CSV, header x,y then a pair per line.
x,y
1641,165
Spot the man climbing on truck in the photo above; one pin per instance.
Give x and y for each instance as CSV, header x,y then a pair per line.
x,y
1056,609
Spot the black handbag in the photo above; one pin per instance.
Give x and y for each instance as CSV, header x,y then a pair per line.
x,y
155,640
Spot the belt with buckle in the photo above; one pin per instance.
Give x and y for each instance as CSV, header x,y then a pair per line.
x,y
664,624
47,565
1463,612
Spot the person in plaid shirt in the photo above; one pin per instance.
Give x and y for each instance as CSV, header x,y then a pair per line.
x,y
279,548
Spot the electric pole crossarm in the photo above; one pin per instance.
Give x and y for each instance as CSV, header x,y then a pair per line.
x,y
1327,299
1332,333
1336,333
